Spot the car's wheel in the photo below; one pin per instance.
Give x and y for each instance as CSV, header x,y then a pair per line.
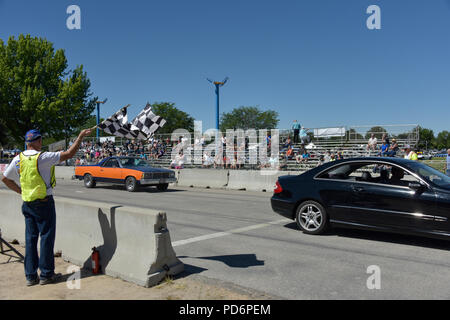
x,y
131,184
89,181
311,217
162,187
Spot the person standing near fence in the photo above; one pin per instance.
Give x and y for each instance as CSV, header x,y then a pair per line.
x,y
296,129
448,163
35,170
410,154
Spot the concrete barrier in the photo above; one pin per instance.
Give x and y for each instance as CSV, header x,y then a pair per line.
x,y
253,180
134,243
203,178
63,172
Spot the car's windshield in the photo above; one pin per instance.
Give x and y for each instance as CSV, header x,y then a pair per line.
x,y
133,162
431,175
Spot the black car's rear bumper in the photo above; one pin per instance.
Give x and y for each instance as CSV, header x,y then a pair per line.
x,y
283,207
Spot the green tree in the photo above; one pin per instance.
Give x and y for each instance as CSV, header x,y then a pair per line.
x,y
90,123
426,138
176,119
248,118
443,140
37,90
377,130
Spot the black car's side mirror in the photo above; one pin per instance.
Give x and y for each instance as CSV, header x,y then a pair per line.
x,y
416,186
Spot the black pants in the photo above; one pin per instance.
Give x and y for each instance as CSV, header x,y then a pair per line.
x,y
296,132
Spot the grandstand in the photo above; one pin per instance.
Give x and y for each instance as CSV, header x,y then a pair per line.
x,y
348,141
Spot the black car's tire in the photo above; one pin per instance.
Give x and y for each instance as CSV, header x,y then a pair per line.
x,y
162,187
311,217
89,181
131,184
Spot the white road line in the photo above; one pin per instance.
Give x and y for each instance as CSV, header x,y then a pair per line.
x,y
227,233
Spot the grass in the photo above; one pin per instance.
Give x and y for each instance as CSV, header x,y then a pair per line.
x,y
436,164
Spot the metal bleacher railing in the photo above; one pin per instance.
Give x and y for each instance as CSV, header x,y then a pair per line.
x,y
352,142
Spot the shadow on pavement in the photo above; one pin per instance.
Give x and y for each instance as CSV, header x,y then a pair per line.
x,y
234,260
382,236
148,189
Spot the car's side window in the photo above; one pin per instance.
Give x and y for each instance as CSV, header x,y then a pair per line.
x,y
339,172
399,177
111,163
370,172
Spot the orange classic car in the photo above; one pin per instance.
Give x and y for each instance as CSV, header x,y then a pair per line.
x,y
130,171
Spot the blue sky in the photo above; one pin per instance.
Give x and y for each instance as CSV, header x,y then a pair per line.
x,y
315,60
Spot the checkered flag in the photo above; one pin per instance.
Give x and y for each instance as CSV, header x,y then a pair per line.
x,y
147,123
118,125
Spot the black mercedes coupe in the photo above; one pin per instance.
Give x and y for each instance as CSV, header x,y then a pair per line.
x,y
384,194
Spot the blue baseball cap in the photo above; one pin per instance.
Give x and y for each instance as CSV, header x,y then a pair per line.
x,y
32,135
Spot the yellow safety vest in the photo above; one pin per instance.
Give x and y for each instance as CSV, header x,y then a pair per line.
x,y
31,182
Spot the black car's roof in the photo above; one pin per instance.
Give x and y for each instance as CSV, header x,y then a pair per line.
x,y
385,159
398,161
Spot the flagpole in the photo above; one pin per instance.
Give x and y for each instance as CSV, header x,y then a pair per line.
x,y
98,114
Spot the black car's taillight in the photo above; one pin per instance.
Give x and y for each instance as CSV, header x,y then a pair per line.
x,y
278,188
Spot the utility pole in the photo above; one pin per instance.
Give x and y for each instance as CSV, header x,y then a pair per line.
x,y
218,84
98,115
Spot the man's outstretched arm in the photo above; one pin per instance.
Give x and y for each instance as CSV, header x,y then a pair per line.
x,y
70,153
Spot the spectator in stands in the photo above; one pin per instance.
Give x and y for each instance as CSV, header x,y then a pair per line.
x,y
289,153
207,160
304,135
273,160
179,161
296,130
340,156
385,138
321,160
448,163
327,157
218,160
409,153
287,143
393,149
77,162
372,143
302,157
384,149
283,163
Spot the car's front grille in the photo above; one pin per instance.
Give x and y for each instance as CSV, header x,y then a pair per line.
x,y
157,175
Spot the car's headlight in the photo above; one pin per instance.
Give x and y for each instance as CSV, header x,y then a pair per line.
x,y
172,175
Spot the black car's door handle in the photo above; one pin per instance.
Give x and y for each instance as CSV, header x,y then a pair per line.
x,y
358,189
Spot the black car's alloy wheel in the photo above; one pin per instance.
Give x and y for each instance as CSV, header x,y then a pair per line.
x,y
89,181
311,217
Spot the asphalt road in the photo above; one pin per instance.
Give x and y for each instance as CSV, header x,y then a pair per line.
x,y
235,237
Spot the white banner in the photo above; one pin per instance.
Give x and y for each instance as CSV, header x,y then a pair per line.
x,y
104,139
329,132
